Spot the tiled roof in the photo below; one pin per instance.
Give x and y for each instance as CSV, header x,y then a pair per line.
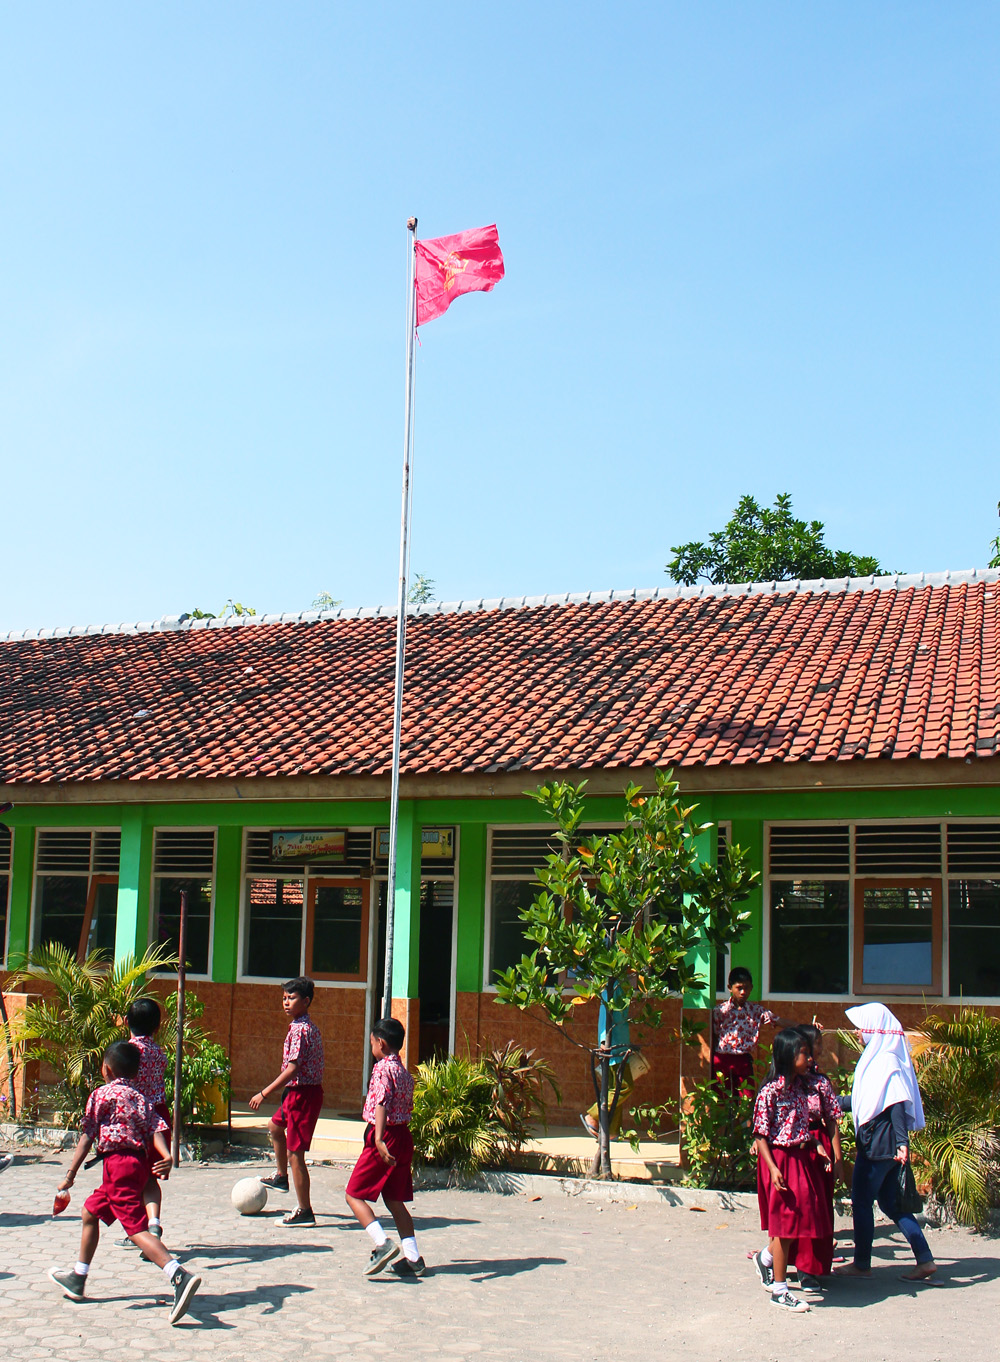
x,y
783,672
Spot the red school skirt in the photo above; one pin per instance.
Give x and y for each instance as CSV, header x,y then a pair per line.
x,y
815,1256
373,1178
119,1196
802,1210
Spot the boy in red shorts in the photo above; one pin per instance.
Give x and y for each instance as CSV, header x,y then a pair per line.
x,y
292,1125
385,1166
124,1124
144,1017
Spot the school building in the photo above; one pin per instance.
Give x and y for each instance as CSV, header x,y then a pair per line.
x,y
846,733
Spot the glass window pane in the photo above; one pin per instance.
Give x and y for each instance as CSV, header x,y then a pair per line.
x,y
898,925
507,940
61,903
274,928
974,944
167,919
104,919
338,912
809,936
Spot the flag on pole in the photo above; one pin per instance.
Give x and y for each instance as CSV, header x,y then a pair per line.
x,y
467,262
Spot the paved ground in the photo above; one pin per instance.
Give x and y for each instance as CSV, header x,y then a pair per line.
x,y
513,1278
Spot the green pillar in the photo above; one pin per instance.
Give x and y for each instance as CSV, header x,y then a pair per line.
x,y
134,871
748,952
226,909
703,957
471,908
406,929
22,863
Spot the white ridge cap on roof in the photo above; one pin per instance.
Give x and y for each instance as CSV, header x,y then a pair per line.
x,y
179,623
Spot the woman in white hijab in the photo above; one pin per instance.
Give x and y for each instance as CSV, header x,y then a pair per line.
x,y
885,1104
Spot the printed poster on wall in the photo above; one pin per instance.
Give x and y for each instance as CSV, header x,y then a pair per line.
x,y
328,844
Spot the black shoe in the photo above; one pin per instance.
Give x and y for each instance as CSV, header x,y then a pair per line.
x,y
299,1217
789,1302
381,1257
71,1283
404,1268
807,1282
765,1273
5,1162
276,1182
185,1284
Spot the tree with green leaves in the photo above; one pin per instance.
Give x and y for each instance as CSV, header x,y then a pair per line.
x,y
766,544
422,590
618,918
995,547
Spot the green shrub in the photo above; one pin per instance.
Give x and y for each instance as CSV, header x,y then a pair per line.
x,y
519,1086
717,1138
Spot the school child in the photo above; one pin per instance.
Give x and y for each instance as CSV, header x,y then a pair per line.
x,y
791,1190
736,1027
144,1017
292,1125
814,1257
123,1123
385,1166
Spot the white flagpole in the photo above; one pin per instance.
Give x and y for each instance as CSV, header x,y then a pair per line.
x,y
404,567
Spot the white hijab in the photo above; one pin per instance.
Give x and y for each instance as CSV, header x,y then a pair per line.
x,y
885,1072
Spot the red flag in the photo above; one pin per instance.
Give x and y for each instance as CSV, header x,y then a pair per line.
x,y
468,262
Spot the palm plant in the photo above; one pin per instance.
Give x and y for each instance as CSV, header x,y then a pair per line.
x,y
82,1013
454,1123
519,1085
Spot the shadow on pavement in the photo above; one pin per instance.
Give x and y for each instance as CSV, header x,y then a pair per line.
x,y
250,1253
489,1269
205,1307
11,1219
439,1222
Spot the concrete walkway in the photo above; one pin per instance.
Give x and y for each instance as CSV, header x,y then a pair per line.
x,y
558,1150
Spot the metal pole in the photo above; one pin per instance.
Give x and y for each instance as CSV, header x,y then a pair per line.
x,y
175,1148
404,566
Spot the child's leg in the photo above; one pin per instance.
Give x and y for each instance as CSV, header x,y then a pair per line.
x,y
402,1217
152,1199
280,1146
152,1248
779,1252
90,1234
296,1158
363,1213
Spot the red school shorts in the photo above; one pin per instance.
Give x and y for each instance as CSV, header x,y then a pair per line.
x,y
373,1178
119,1196
734,1071
298,1114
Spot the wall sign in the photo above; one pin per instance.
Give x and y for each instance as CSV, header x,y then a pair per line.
x,y
329,844
437,844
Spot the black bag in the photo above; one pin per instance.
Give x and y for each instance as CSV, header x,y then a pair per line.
x,y
908,1199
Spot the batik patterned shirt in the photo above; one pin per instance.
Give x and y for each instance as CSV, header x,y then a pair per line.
x,y
781,1112
737,1028
305,1044
149,1079
821,1096
119,1116
390,1086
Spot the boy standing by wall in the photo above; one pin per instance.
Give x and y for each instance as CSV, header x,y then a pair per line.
x,y
736,1027
124,1124
385,1168
292,1125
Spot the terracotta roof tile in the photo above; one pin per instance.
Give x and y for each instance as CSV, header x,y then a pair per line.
x,y
782,673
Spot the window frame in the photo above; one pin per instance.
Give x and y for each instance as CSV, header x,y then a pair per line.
x,y
313,883
155,875
863,882
92,877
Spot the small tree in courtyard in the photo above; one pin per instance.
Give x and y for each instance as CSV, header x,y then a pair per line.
x,y
618,916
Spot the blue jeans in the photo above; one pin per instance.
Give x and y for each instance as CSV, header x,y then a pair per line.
x,y
877,1182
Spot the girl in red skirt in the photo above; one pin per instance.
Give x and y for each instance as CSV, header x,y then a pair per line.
x,y
814,1257
790,1185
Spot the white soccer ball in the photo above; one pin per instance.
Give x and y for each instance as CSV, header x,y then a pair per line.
x,y
249,1196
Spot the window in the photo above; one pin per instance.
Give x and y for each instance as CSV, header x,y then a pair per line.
x,y
4,890
974,938
337,930
76,889
184,861
809,936
274,927
515,855
897,936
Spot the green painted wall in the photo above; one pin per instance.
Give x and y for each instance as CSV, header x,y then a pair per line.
x,y
748,833
22,863
134,870
703,957
226,911
406,933
471,907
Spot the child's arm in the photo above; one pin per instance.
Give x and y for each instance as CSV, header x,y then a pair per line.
x,y
838,1153
764,1152
380,1144
79,1154
161,1169
289,1071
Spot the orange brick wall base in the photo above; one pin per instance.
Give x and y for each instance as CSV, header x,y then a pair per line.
x,y
26,1076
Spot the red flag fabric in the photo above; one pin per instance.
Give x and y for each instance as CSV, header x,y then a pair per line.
x,y
467,262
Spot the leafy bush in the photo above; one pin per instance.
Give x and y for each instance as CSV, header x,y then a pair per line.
x,y
71,1030
470,1114
204,1063
717,1138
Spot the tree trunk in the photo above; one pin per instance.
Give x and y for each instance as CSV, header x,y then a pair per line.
x,y
605,1120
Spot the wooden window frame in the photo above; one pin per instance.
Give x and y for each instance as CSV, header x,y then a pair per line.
x,y
88,912
934,989
332,882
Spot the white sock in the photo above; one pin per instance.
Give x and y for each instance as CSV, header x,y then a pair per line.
x,y
409,1247
779,1288
767,1257
171,1267
377,1233
154,1222
82,1269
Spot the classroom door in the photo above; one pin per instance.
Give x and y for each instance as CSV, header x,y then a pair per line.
x,y
437,998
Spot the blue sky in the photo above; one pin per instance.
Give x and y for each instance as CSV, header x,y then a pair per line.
x,y
750,248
